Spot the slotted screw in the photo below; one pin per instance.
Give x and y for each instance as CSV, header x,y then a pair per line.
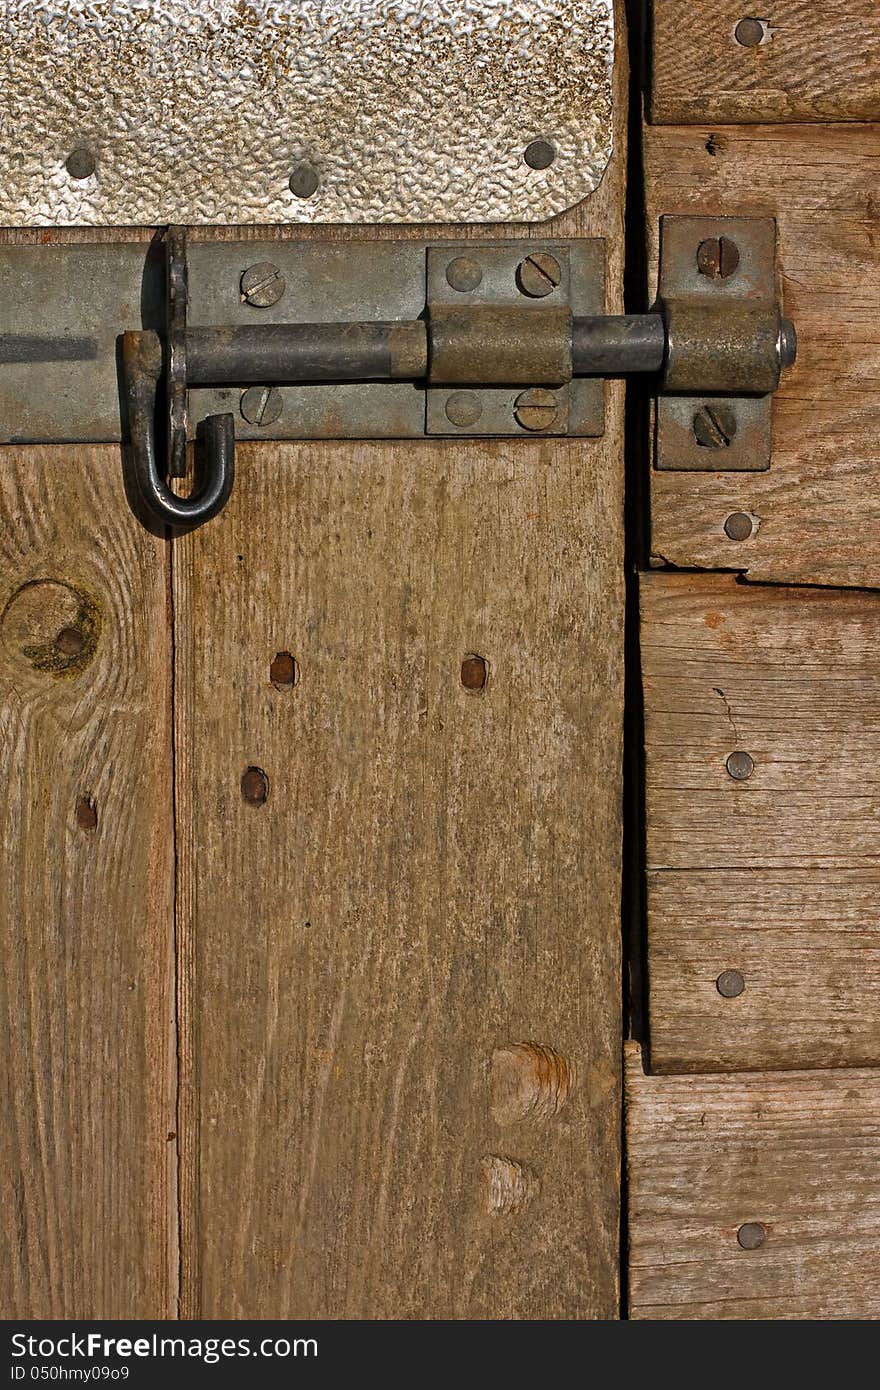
x,y
536,409
261,405
262,285
717,257
538,275
714,426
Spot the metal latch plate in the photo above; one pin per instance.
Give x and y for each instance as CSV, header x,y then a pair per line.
x,y
71,302
143,112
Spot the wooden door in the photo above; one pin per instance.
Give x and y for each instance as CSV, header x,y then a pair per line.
x,y
311,988
753,1103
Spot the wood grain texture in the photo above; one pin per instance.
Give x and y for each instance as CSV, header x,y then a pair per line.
x,y
797,1153
88,1227
817,62
807,943
400,974
776,876
817,510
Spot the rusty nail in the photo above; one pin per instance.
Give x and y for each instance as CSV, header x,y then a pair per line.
x,y
464,273
740,765
261,405
751,1235
536,409
304,181
539,154
283,671
80,164
86,813
262,285
70,641
474,672
254,786
717,257
714,426
730,983
463,408
749,32
738,526
538,275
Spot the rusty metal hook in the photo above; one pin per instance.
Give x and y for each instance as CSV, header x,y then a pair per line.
x,y
142,372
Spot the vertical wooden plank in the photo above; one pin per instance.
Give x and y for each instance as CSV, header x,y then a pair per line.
x,y
400,971
86,996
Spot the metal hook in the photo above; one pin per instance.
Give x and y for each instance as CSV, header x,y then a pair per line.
x,y
142,371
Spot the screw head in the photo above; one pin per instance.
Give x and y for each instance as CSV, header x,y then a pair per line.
x,y
539,154
751,1235
536,409
738,526
749,32
261,405
303,181
262,285
740,765
463,408
80,164
714,426
538,275
717,257
730,984
464,274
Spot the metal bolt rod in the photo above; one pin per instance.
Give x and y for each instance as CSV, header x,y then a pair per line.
x,y
286,353
603,345
616,344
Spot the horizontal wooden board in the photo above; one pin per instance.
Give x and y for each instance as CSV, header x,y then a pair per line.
x,y
87,1142
816,512
776,876
796,1154
816,60
807,943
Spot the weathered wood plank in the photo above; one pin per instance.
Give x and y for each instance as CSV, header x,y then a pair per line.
x,y
816,512
775,876
86,989
414,904
807,944
808,60
401,978
795,1157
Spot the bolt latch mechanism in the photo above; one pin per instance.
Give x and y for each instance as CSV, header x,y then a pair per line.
x,y
517,347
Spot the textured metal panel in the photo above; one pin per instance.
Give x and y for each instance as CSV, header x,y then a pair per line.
x,y
198,111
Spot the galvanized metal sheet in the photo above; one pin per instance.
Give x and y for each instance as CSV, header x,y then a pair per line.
x,y
199,111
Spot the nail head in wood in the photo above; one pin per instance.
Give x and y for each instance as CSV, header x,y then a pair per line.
x,y
474,673
738,526
740,765
730,984
751,1235
254,786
